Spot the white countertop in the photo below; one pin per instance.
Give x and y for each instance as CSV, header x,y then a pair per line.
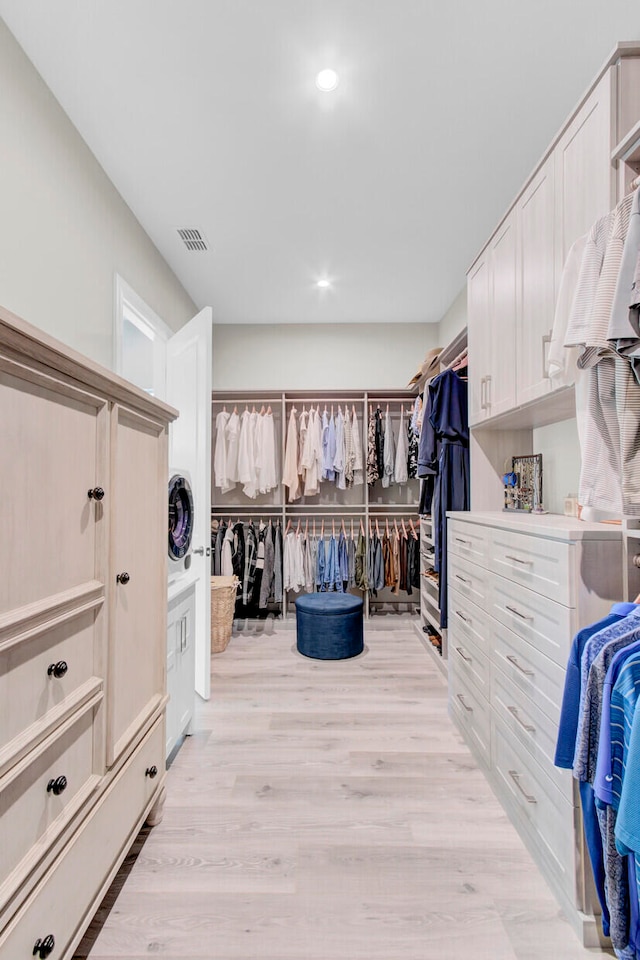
x,y
550,525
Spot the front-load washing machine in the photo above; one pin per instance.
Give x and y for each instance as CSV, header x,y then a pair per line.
x,y
180,523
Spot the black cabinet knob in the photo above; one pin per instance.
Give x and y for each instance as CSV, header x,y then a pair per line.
x,y
57,669
43,948
123,578
97,493
57,786
151,772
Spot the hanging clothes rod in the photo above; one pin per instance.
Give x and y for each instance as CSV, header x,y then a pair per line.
x,y
248,401
236,508
410,397
360,507
312,401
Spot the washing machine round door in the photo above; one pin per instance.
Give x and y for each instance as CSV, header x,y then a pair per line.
x,y
180,517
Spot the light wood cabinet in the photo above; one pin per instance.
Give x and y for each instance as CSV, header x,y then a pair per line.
x,y
546,578
82,649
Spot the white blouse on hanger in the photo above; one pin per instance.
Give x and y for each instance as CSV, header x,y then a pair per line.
x,y
266,474
220,454
290,476
402,451
232,440
358,464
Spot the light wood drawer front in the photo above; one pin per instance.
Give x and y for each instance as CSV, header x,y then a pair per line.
x,y
527,723
466,619
72,885
469,540
546,625
32,812
535,674
469,579
28,691
544,812
472,713
540,565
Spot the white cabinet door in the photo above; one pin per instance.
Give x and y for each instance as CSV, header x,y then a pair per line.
x,y
479,330
536,243
501,391
189,361
584,173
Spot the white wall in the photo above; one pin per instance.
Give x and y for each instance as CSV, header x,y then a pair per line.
x,y
454,320
318,357
558,444
64,229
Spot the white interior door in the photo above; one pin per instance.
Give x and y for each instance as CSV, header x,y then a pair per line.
x,y
189,354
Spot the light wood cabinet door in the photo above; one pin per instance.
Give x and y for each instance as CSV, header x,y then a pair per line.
x,y
137,676
479,330
501,392
584,173
537,293
53,452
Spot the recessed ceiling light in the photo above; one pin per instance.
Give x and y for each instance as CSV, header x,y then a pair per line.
x,y
323,284
327,80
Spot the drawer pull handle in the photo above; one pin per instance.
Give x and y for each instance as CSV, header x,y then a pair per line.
x,y
58,669
527,563
518,666
461,699
42,948
462,617
97,493
523,616
123,578
467,543
57,786
151,772
462,579
515,776
525,726
461,652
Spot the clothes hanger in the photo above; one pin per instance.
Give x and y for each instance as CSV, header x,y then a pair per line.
x,y
352,528
386,527
224,408
253,409
314,527
404,530
298,528
377,529
395,524
370,529
343,528
269,409
288,528
387,410
306,528
235,410
262,410
362,528
333,527
322,530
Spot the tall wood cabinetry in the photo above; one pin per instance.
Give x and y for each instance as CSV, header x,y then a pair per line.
x,y
82,634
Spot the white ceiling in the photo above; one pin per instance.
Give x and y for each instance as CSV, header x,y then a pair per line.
x,y
204,114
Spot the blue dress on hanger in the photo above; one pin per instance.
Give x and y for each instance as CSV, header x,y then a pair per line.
x,y
444,451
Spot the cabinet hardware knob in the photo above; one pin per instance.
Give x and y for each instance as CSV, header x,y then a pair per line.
x,y
525,726
123,578
461,699
151,772
514,660
57,786
515,776
42,948
97,493
58,669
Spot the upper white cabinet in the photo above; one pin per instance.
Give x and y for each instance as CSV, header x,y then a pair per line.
x,y
512,285
584,173
536,274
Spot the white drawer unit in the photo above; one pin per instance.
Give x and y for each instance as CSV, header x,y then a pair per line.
x,y
519,589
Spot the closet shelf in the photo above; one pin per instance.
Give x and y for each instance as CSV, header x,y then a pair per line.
x,y
552,408
628,149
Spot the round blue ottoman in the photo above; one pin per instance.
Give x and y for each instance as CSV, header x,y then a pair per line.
x,y
329,626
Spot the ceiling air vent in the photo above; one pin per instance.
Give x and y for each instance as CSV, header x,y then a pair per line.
x,y
193,239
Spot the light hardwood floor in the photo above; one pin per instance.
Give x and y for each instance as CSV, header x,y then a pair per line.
x,y
329,810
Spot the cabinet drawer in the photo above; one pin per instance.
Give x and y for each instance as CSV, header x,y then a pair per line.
x,y
545,815
469,579
36,803
469,662
466,619
537,676
72,889
540,565
472,714
468,540
545,624
28,691
528,724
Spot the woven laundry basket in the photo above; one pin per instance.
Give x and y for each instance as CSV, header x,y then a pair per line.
x,y
223,601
